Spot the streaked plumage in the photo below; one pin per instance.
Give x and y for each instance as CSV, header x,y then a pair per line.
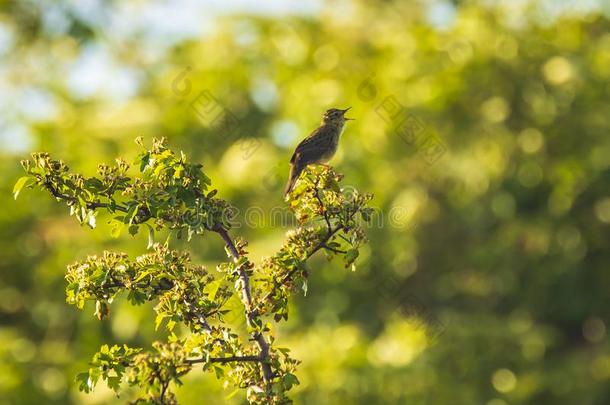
x,y
319,147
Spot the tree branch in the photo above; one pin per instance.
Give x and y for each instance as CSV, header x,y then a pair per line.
x,y
164,386
251,315
90,205
333,249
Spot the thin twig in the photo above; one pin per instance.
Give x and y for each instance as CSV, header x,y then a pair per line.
x,y
322,207
163,389
247,301
332,249
90,205
228,359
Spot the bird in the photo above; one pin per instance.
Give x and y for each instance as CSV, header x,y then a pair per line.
x,y
319,147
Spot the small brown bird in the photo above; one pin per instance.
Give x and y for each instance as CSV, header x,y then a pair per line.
x,y
318,147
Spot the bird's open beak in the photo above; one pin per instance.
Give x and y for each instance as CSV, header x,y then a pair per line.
x,y
344,111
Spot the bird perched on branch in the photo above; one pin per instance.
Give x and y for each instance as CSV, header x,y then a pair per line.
x,y
319,146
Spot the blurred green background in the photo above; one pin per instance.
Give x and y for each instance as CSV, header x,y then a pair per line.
x,y
486,280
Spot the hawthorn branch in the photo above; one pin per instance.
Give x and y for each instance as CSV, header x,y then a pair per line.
x,y
90,205
251,314
140,209
252,311
332,249
164,386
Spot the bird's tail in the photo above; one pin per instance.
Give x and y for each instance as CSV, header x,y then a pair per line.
x,y
295,171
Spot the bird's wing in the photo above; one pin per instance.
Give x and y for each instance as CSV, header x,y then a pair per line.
x,y
315,142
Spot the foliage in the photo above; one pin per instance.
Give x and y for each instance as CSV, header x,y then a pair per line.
x,y
171,193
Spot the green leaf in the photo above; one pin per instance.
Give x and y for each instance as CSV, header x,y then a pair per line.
x,y
144,160
289,380
351,256
231,395
136,297
151,236
178,170
83,382
114,383
94,184
366,215
87,380
142,274
131,214
283,350
159,319
171,324
116,229
219,372
133,229
91,221
19,185
212,289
